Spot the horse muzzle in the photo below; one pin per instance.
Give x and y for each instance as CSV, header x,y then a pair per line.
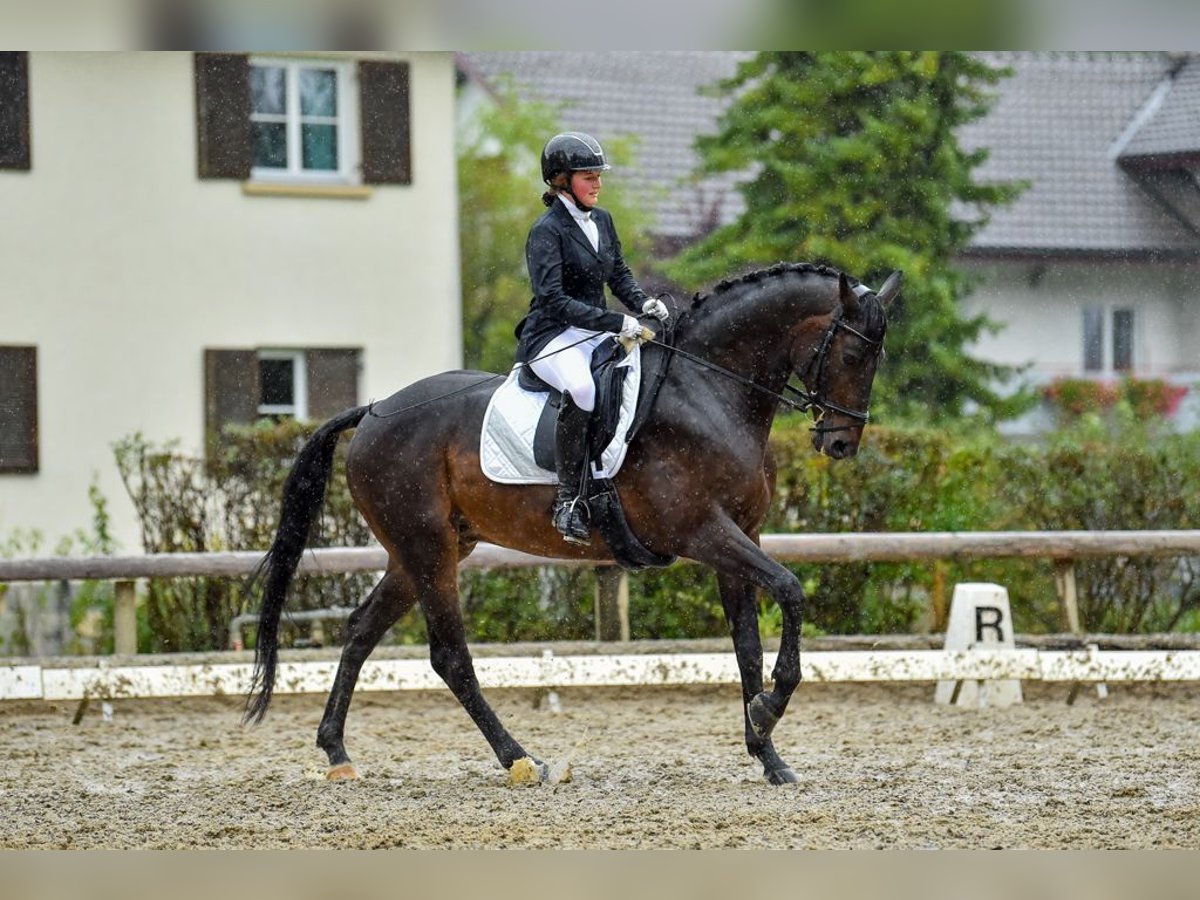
x,y
837,444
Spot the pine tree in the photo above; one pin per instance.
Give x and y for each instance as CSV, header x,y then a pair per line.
x,y
855,162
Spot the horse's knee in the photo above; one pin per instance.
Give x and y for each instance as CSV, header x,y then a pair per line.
x,y
441,658
452,664
788,592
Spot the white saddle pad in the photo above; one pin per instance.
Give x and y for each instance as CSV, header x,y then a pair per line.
x,y
506,442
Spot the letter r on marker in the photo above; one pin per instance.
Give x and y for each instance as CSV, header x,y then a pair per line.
x,y
988,617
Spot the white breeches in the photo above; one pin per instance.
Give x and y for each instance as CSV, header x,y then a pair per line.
x,y
570,370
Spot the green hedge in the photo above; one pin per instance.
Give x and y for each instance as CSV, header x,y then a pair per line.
x,y
185,504
902,480
917,480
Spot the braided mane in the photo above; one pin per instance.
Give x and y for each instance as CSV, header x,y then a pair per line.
x,y
771,272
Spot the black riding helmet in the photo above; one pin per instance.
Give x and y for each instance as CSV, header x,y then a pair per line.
x,y
572,151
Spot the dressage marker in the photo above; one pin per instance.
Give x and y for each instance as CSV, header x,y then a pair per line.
x,y
980,618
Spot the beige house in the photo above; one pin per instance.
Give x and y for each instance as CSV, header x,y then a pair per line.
x,y
192,239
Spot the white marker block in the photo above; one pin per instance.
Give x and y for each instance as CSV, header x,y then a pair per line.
x,y
980,618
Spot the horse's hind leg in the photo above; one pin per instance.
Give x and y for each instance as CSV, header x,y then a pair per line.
x,y
741,610
387,602
448,653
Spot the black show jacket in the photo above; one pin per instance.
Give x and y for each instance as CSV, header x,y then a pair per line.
x,y
568,279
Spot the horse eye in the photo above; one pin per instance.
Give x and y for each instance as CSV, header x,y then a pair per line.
x,y
851,358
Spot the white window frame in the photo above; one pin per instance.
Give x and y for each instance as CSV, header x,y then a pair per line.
x,y
1108,325
349,169
299,409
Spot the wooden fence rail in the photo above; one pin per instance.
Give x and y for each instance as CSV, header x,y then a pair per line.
x,y
612,600
828,548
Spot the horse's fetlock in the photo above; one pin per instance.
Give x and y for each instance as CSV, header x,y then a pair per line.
x,y
762,715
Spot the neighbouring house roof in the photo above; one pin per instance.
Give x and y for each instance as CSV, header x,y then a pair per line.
x,y
1172,124
1059,122
1081,128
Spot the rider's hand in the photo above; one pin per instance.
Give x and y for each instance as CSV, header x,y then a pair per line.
x,y
631,328
655,307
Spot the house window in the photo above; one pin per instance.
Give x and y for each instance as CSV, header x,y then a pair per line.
x,y
14,110
308,121
282,386
1093,339
18,410
1122,349
242,386
1108,339
301,120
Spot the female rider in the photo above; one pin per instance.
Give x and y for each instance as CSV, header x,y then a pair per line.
x,y
572,251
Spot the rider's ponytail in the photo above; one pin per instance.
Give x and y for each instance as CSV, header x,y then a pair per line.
x,y
558,183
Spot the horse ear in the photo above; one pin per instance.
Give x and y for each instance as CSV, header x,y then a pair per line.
x,y
846,294
891,287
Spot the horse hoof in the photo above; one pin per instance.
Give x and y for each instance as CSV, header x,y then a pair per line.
x,y
762,720
527,770
782,776
342,772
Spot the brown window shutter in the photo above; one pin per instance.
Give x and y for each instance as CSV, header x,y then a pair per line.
x,y
223,115
230,392
14,110
332,381
18,410
386,150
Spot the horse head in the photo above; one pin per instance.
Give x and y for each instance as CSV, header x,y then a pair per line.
x,y
839,371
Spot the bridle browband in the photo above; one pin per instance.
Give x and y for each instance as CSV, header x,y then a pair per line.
x,y
806,401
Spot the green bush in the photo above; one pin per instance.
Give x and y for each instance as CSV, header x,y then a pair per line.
x,y
1087,478
189,505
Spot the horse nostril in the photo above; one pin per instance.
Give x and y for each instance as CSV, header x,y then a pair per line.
x,y
838,449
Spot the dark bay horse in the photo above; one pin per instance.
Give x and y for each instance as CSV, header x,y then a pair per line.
x,y
696,482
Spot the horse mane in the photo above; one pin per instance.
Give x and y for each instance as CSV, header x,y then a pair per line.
x,y
875,314
770,272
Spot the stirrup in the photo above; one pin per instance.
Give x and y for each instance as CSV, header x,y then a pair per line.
x,y
568,519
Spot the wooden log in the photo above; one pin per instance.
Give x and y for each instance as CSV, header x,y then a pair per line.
x,y
829,548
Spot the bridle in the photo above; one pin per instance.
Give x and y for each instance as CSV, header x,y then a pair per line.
x,y
805,401
815,400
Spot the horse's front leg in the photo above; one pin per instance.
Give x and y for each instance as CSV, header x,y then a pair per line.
x,y
739,598
725,547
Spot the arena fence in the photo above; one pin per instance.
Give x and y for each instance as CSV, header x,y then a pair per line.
x,y
66,679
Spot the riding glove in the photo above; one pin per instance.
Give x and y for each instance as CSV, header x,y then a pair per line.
x,y
631,328
655,307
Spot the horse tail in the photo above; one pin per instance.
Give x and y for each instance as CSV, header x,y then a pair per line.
x,y
303,495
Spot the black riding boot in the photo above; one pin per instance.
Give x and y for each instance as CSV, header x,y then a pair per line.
x,y
570,457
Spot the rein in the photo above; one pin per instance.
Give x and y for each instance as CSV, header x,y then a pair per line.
x,y
806,401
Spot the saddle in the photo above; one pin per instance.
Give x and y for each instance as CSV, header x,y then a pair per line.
x,y
615,421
